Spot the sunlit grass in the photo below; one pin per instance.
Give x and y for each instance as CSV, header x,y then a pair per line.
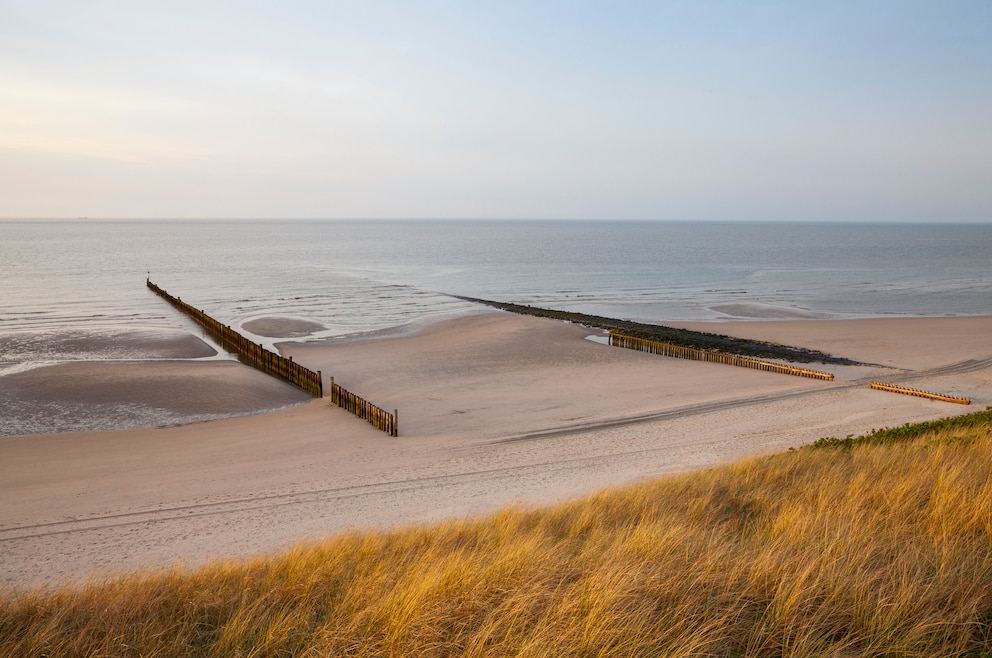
x,y
879,545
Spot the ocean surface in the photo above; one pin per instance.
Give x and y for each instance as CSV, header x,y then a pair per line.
x,y
66,280
75,291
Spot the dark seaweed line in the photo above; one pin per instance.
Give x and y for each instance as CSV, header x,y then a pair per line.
x,y
682,337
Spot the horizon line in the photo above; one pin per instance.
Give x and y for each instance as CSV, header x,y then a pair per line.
x,y
116,219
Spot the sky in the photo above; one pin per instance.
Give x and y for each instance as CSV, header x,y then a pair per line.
x,y
544,109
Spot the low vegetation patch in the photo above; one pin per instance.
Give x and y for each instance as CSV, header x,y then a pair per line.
x,y
953,426
880,548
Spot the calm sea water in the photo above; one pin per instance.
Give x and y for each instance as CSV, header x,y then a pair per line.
x,y
62,280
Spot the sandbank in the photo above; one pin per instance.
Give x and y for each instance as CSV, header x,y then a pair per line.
x,y
128,379
494,409
20,350
279,327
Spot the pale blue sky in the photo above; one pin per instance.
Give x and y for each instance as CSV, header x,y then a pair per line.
x,y
838,111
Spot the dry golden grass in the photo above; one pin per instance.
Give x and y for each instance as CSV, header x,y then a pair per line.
x,y
879,547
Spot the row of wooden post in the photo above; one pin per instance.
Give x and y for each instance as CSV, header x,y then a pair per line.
x,y
250,353
679,352
923,394
377,416
283,368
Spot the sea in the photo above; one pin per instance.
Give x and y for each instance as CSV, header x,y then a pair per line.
x,y
61,282
75,290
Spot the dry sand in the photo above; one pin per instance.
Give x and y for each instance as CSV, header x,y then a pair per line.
x,y
494,409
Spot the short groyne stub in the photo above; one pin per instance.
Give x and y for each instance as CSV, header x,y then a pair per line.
x,y
376,416
892,388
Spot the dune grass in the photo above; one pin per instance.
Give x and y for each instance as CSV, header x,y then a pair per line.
x,y
869,546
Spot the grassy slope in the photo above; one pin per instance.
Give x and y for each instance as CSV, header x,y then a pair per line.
x,y
874,547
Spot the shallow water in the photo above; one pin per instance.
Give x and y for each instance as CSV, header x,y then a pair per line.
x,y
61,280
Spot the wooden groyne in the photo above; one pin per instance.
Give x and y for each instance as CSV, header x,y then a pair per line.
x,y
679,352
377,416
248,352
922,394
682,337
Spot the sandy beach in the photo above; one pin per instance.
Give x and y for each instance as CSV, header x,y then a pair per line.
x,y
494,409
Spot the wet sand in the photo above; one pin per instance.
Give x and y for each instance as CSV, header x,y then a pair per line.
x,y
276,327
494,409
97,395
